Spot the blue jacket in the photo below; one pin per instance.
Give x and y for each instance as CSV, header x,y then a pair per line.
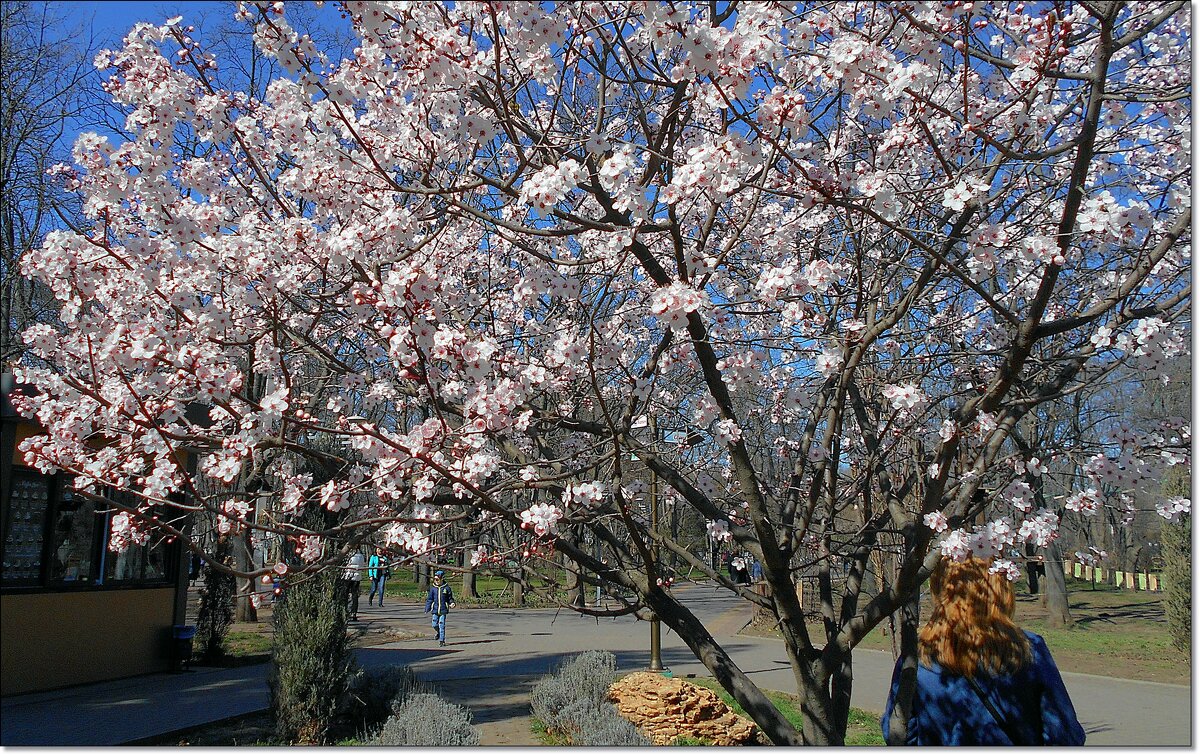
x,y
439,599
1034,702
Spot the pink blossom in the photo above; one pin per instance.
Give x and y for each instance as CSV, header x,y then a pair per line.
x,y
718,530
936,521
1173,509
542,518
905,396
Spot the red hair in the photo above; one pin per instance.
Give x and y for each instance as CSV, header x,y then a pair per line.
x,y
972,628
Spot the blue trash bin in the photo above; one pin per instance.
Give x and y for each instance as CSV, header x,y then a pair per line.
x,y
182,637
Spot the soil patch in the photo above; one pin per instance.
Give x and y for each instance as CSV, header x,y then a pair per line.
x,y
499,707
252,729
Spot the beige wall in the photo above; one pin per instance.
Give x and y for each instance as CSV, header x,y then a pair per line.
x,y
54,640
24,430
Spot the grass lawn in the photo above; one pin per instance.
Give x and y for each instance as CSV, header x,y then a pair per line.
x,y
861,730
241,644
1118,633
493,591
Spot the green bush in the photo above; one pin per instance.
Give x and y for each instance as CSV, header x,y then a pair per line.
x,y
592,725
312,660
426,720
1177,565
574,703
216,606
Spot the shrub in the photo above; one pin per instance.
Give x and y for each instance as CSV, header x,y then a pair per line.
x,y
1177,566
215,615
592,725
426,720
311,658
378,693
586,676
574,702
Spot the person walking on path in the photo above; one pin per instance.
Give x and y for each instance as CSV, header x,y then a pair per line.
x,y
378,570
352,581
981,680
439,603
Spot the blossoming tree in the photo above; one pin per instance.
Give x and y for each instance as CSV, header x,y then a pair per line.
x,y
845,250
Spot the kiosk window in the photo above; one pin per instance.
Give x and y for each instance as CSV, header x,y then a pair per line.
x,y
146,563
24,539
73,550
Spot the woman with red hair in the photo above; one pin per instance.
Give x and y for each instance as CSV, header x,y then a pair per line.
x,y
982,680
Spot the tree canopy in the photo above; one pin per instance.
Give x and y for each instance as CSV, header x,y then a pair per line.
x,y
838,253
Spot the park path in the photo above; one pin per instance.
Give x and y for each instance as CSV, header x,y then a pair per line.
x,y
493,657
503,651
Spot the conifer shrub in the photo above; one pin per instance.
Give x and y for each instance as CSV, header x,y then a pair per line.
x,y
311,660
215,615
1177,566
1177,579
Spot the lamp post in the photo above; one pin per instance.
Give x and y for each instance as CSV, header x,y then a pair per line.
x,y
655,622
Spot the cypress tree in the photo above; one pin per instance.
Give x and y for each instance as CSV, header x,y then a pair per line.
x,y
1177,567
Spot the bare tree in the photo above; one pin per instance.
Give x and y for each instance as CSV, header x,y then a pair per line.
x,y
44,72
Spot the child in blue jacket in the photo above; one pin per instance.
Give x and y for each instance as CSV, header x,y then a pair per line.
x,y
439,603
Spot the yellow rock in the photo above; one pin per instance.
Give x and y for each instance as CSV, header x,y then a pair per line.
x,y
665,709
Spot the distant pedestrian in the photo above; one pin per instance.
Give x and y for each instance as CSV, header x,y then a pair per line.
x,y
352,582
756,570
439,603
1035,570
378,571
195,564
981,680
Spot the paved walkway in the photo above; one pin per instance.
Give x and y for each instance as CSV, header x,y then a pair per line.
x,y
493,657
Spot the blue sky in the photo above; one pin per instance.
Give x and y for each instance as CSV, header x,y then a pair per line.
x,y
110,20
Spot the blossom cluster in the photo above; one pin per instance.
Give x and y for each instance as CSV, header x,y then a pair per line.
x,y
672,304
991,539
1173,509
718,530
411,539
542,518
445,265
583,494
550,185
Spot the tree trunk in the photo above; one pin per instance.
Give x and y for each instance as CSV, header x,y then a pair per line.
x,y
910,621
841,684
1058,609
469,588
576,587
244,610
1031,574
519,586
816,709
